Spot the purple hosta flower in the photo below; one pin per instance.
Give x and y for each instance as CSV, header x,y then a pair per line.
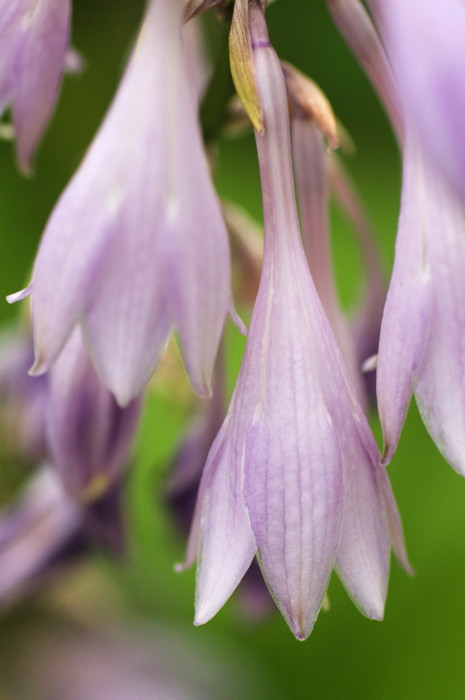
x,y
425,42
293,475
423,330
137,246
89,435
34,40
47,530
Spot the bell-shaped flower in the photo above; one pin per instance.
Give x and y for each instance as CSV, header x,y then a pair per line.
x,y
137,246
34,40
89,436
425,43
423,325
294,474
46,531
423,330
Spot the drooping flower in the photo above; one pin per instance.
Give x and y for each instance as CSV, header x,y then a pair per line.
x,y
293,475
423,331
420,350
425,43
136,245
88,435
34,40
47,530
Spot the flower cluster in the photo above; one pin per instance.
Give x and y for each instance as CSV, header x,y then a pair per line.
x,y
289,479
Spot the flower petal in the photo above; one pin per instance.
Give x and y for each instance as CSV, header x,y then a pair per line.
x,y
128,322
294,497
363,551
227,545
440,382
197,262
406,320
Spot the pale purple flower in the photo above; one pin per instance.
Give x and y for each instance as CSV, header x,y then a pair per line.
x,y
293,475
47,530
421,343
425,43
34,42
137,246
89,436
422,346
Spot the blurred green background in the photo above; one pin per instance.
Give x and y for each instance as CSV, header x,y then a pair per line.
x,y
418,652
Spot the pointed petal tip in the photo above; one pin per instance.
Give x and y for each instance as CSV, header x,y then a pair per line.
x,y
24,158
124,393
373,611
408,568
26,169
301,635
203,614
386,457
301,624
400,552
202,386
376,615
123,399
301,627
39,367
369,597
